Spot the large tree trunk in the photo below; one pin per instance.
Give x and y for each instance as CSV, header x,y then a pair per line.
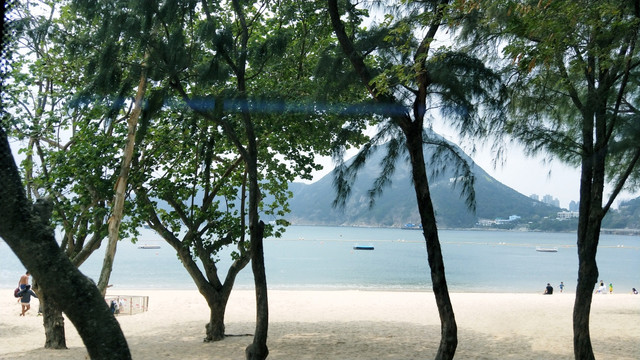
x,y
448,327
53,322
120,188
33,241
217,301
215,327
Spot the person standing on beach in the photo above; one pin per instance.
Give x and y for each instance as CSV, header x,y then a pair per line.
x,y
24,281
610,288
25,298
561,286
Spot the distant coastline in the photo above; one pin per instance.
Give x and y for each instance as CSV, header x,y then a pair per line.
x,y
629,232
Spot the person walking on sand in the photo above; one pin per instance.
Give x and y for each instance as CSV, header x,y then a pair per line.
x,y
610,288
25,298
561,286
24,280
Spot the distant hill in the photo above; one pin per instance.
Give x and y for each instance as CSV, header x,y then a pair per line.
x,y
627,216
312,203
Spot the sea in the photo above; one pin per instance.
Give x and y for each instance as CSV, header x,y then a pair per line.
x,y
324,258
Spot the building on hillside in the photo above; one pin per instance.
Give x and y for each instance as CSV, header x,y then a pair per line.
x,y
566,215
549,200
574,206
485,222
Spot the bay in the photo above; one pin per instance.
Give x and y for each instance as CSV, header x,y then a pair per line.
x,y
322,257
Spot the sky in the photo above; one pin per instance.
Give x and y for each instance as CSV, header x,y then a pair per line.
x,y
527,175
524,174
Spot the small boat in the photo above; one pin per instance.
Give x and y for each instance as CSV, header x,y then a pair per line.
x,y
147,246
410,226
363,247
541,249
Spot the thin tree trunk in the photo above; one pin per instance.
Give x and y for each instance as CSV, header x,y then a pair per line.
x,y
592,181
258,349
588,238
53,322
121,185
587,277
448,327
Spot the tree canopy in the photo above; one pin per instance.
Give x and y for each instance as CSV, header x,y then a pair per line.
x,y
572,71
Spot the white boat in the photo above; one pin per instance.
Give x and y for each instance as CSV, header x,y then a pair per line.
x,y
541,249
147,246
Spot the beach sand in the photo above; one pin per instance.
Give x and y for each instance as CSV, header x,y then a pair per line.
x,y
348,324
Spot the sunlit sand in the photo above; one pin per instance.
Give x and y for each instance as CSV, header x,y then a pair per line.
x,y
348,325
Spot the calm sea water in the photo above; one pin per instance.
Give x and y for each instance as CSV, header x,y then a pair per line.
x,y
313,257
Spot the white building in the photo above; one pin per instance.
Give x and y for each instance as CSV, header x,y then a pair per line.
x,y
565,215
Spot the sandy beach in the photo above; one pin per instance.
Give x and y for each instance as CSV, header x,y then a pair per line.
x,y
348,325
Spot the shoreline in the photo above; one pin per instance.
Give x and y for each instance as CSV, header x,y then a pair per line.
x,y
348,324
621,231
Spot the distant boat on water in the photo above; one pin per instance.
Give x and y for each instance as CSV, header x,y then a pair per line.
x,y
147,246
410,226
363,247
542,249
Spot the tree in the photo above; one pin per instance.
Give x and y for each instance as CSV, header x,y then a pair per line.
x,y
199,186
117,53
407,77
26,230
268,50
66,152
237,47
573,91
231,130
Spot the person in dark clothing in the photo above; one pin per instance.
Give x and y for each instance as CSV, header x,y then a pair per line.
x,y
548,290
25,298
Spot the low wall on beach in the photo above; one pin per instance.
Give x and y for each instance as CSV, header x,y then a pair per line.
x,y
128,304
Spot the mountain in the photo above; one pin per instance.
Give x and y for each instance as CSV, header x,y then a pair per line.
x,y
627,216
312,203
